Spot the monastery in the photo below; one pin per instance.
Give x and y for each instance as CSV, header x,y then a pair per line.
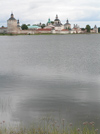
x,y
13,27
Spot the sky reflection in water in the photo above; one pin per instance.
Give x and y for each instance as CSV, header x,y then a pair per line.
x,y
57,75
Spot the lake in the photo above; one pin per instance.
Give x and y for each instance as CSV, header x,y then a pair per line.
x,y
50,75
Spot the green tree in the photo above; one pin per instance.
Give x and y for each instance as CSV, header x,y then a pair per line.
x,y
83,29
24,27
88,28
69,28
28,24
99,29
43,25
52,22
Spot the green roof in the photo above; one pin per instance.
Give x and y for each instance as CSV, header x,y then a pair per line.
x,y
49,21
33,27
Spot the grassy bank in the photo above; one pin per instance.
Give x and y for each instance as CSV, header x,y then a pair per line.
x,y
5,34
49,126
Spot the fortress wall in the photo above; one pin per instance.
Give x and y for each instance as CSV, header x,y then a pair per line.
x,y
26,32
3,30
42,31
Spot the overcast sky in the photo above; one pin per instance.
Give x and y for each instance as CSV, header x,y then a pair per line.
x,y
35,11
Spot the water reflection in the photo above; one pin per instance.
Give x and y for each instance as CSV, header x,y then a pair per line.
x,y
31,99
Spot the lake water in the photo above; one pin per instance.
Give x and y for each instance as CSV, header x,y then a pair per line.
x,y
56,75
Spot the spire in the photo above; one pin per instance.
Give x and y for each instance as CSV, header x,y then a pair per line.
x,y
67,21
56,16
12,16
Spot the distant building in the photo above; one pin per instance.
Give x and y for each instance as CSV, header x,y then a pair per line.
x,y
95,29
49,22
33,27
13,25
57,24
76,29
49,25
3,30
67,25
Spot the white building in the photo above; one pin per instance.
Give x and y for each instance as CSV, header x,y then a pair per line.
x,y
13,27
95,29
67,25
57,24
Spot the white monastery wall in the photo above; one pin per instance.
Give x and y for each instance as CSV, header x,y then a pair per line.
x,y
3,30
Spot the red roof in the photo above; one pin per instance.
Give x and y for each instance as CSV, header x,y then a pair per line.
x,y
43,29
64,30
3,27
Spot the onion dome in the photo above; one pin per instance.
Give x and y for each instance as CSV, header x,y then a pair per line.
x,y
49,21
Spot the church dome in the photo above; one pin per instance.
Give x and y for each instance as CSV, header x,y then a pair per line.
x,y
56,19
12,17
49,21
67,22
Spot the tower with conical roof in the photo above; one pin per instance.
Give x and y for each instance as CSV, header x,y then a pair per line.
x,y
12,25
95,29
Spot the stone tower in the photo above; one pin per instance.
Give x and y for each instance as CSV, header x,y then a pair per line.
x,y
12,25
95,29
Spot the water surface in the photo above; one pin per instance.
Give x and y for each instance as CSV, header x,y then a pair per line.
x,y
56,75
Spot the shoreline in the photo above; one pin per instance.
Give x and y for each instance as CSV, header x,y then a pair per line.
x,y
5,34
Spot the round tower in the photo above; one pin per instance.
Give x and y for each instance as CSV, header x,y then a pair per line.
x,y
12,25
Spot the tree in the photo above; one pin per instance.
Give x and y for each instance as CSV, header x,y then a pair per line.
x,y
28,24
88,28
69,28
83,29
99,29
43,25
24,27
52,22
